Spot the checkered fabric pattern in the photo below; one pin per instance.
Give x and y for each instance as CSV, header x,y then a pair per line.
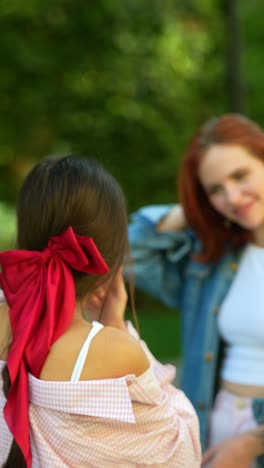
x,y
128,422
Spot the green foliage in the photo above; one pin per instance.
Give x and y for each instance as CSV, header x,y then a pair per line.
x,y
7,223
160,329
126,81
123,81
252,37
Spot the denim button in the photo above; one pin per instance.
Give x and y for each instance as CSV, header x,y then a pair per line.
x,y
208,357
233,266
200,405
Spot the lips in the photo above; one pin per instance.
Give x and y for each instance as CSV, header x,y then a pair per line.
x,y
242,211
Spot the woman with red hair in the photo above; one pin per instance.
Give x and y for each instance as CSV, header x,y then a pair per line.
x,y
206,258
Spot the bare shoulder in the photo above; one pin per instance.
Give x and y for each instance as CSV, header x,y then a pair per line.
x,y
4,308
114,353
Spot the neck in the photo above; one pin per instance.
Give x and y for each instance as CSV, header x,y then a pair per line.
x,y
78,312
259,236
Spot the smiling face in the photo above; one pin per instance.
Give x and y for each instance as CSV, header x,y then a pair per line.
x,y
233,180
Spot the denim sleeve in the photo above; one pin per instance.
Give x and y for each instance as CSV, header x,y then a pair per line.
x,y
159,258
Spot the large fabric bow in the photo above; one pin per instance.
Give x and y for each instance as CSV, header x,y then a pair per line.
x,y
39,289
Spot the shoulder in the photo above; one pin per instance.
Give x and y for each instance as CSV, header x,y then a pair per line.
x,y
114,353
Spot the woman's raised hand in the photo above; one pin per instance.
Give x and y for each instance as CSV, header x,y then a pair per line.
x,y
173,221
108,302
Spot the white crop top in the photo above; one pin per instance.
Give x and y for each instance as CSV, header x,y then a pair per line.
x,y
241,321
76,373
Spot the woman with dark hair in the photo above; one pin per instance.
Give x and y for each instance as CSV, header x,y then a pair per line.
x,y
206,258
60,405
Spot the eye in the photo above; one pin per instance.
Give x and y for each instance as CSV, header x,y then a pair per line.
x,y
239,175
214,190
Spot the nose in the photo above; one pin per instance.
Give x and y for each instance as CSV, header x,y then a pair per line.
x,y
232,194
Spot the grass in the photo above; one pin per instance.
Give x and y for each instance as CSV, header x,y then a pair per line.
x,y
159,327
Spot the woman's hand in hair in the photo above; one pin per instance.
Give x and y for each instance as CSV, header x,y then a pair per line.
x,y
174,221
108,303
94,304
115,301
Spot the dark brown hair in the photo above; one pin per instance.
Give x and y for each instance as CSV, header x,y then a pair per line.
x,y
209,225
77,192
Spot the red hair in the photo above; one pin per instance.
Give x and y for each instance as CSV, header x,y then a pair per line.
x,y
208,224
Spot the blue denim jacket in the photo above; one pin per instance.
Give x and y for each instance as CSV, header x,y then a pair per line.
x,y
164,267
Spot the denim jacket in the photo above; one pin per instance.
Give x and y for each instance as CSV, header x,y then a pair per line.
x,y
163,266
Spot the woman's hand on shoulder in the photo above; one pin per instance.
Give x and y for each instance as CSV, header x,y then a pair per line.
x,y
174,221
239,451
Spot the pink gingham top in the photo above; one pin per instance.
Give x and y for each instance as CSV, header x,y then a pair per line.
x,y
127,422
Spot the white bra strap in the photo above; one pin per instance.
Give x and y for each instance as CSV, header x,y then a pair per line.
x,y
76,374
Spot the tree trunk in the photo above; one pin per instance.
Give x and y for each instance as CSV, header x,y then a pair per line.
x,y
233,49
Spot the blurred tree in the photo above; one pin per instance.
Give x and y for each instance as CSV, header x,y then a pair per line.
x,y
233,53
126,81
252,37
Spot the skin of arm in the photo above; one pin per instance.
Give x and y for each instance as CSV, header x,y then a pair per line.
x,y
173,221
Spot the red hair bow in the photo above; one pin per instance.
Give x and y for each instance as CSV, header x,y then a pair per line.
x,y
40,292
